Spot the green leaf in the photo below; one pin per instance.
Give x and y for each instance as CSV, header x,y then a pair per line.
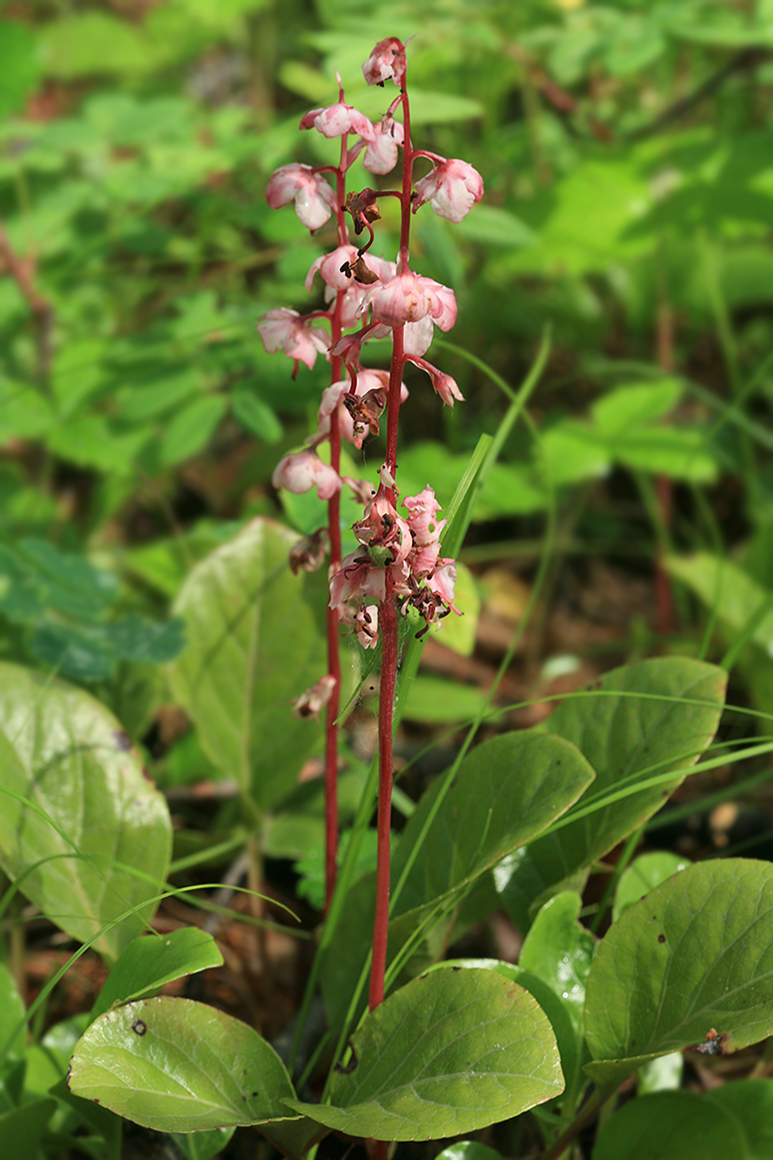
x,y
507,790
634,405
91,805
12,1012
256,416
468,1150
453,1051
191,429
151,960
490,226
694,956
19,70
434,699
730,591
202,1145
256,641
671,1126
647,872
751,1102
558,952
639,724
179,1066
23,1128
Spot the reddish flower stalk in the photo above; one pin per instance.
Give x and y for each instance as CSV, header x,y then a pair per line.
x,y
397,564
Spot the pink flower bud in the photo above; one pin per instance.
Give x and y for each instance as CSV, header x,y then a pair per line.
x,y
386,62
288,331
423,522
335,120
304,470
443,583
452,189
314,198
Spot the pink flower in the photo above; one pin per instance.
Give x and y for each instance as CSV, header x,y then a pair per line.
x,y
409,298
381,152
367,625
335,120
314,198
444,384
443,582
385,535
452,189
423,522
288,331
357,575
302,471
386,62
330,267
417,337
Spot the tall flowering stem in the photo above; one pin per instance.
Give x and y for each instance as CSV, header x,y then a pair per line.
x,y
397,569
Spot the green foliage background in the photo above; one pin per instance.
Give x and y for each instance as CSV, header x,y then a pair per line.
x,y
629,189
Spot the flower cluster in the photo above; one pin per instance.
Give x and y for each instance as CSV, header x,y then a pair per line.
x,y
369,297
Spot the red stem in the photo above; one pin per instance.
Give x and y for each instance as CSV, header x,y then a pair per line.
x,y
332,616
388,614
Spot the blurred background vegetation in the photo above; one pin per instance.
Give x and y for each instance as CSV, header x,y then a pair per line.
x,y
626,153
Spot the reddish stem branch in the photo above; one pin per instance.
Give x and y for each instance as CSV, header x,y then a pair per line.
x,y
388,614
332,616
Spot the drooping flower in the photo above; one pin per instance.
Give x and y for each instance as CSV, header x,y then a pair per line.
x,y
308,554
303,470
335,120
452,189
289,331
386,62
314,198
409,298
381,153
444,384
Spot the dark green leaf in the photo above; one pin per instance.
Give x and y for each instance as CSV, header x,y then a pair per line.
x,y
152,960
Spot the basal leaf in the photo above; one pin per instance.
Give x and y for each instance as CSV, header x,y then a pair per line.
x,y
690,963
644,720
671,1126
453,1051
179,1066
91,805
255,641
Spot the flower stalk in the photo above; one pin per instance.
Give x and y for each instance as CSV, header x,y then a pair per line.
x,y
396,569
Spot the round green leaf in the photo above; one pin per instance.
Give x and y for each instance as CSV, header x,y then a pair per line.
x,y
77,801
671,1126
256,641
694,957
179,1066
453,1051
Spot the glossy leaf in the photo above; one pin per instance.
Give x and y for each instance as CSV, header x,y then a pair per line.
x,y
671,1126
641,722
453,1051
91,805
468,1150
150,961
690,962
559,952
179,1066
256,641
643,875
